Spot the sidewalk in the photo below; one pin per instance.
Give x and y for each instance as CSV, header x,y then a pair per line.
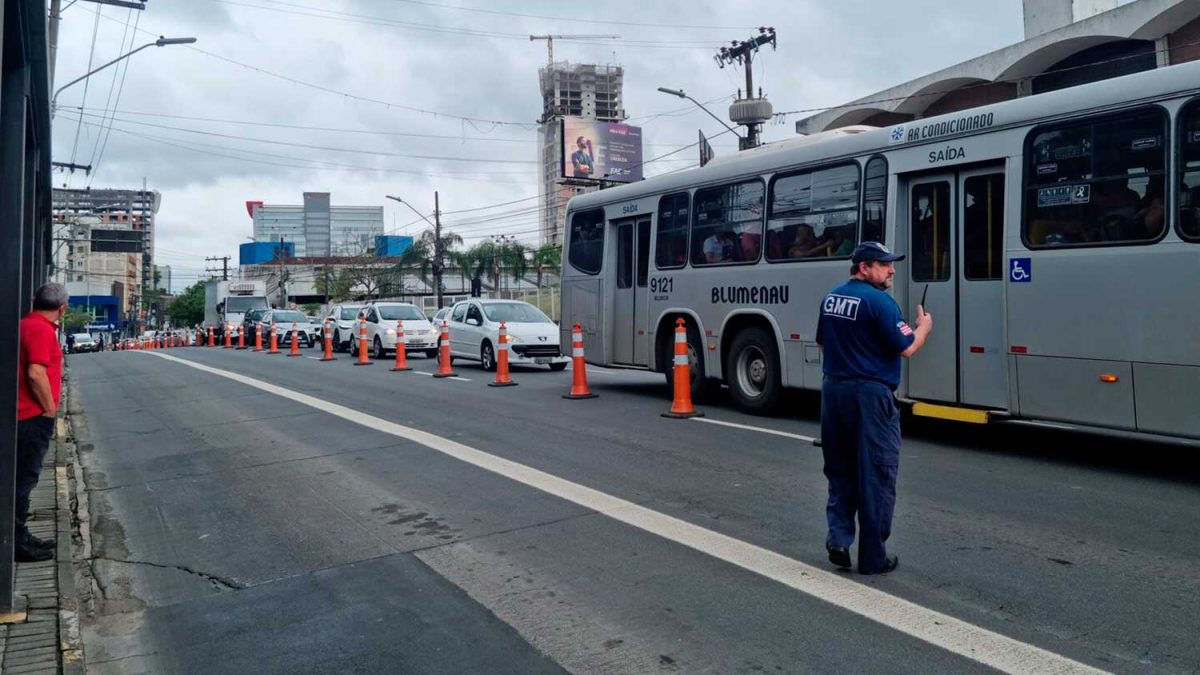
x,y
47,641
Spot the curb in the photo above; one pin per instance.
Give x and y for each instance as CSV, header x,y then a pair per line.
x,y
70,638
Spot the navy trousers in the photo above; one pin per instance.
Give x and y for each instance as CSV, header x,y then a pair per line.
x,y
860,437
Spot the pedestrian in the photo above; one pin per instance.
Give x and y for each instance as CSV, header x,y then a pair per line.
x,y
39,391
863,336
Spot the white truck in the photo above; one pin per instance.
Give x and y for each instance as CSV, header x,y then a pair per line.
x,y
226,303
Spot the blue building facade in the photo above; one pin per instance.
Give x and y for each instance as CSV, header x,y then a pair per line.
x,y
259,252
390,246
105,310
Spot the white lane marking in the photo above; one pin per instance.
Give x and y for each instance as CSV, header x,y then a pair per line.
x,y
773,432
460,379
954,635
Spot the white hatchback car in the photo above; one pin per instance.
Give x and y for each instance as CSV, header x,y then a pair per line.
x,y
345,324
532,336
381,321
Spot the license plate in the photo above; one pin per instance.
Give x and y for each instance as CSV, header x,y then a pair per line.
x,y
542,360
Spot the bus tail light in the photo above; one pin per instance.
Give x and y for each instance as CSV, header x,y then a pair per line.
x,y
1016,349
1108,378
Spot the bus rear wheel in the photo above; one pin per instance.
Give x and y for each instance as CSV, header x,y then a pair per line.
x,y
752,371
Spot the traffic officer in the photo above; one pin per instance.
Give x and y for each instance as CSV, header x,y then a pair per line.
x,y
863,336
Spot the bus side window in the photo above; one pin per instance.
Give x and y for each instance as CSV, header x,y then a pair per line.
x,y
813,214
721,216
1097,182
874,213
670,243
1189,172
586,251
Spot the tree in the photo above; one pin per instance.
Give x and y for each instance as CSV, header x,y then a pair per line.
x,y
547,258
512,253
312,308
334,283
187,309
76,319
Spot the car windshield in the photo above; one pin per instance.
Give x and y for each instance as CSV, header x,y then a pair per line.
x,y
240,304
400,313
515,312
349,313
83,337
288,317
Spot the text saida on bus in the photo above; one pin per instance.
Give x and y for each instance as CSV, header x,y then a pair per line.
x,y
1058,236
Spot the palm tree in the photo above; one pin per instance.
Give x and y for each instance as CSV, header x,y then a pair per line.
x,y
424,247
547,257
514,256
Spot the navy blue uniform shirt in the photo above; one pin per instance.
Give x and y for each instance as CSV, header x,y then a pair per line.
x,y
863,333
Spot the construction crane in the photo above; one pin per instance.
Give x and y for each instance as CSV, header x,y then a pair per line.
x,y
551,38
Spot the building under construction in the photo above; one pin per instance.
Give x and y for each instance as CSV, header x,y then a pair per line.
x,y
588,91
103,238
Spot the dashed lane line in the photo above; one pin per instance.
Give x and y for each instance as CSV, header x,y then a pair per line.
x,y
942,630
764,430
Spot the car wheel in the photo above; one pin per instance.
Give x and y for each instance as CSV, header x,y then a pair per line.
x,y
487,356
752,371
337,341
558,367
431,353
379,352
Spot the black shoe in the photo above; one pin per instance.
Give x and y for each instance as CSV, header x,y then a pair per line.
x,y
892,563
26,554
840,556
35,542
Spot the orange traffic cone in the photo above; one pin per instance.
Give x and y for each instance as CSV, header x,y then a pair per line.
x,y
210,336
444,353
681,407
274,339
579,385
362,344
258,337
295,350
241,336
401,345
328,343
502,378
228,337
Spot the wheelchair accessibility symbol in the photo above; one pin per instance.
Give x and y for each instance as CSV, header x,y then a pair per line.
x,y
1020,270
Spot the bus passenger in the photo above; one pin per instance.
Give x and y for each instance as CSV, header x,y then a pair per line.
x,y
863,337
805,244
718,247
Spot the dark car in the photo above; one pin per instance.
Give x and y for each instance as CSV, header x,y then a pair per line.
x,y
250,323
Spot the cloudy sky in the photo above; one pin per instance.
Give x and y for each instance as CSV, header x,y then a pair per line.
x,y
279,97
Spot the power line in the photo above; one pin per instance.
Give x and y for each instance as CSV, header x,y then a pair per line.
x,y
378,153
334,15
91,58
563,18
120,90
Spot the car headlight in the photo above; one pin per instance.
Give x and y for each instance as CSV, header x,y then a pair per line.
x,y
513,339
391,331
345,326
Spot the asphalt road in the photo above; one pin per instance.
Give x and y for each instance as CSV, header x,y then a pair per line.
x,y
239,530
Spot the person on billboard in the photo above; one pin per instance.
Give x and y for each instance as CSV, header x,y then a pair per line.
x,y
582,165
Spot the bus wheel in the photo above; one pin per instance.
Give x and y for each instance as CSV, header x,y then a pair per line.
x,y
752,371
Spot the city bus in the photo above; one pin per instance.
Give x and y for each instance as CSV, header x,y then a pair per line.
x,y
1055,237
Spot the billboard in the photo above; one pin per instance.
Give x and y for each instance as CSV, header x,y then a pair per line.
x,y
116,241
601,150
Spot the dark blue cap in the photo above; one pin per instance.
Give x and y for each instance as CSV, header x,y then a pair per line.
x,y
873,250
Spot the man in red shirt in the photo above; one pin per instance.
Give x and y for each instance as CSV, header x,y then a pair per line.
x,y
39,391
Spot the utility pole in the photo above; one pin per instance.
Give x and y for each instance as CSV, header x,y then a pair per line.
x,y
749,112
437,249
224,266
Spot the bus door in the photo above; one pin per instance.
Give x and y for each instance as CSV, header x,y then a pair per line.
x,y
631,301
956,236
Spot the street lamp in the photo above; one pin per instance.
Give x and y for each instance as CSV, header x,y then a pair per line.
x,y
437,243
680,94
160,42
